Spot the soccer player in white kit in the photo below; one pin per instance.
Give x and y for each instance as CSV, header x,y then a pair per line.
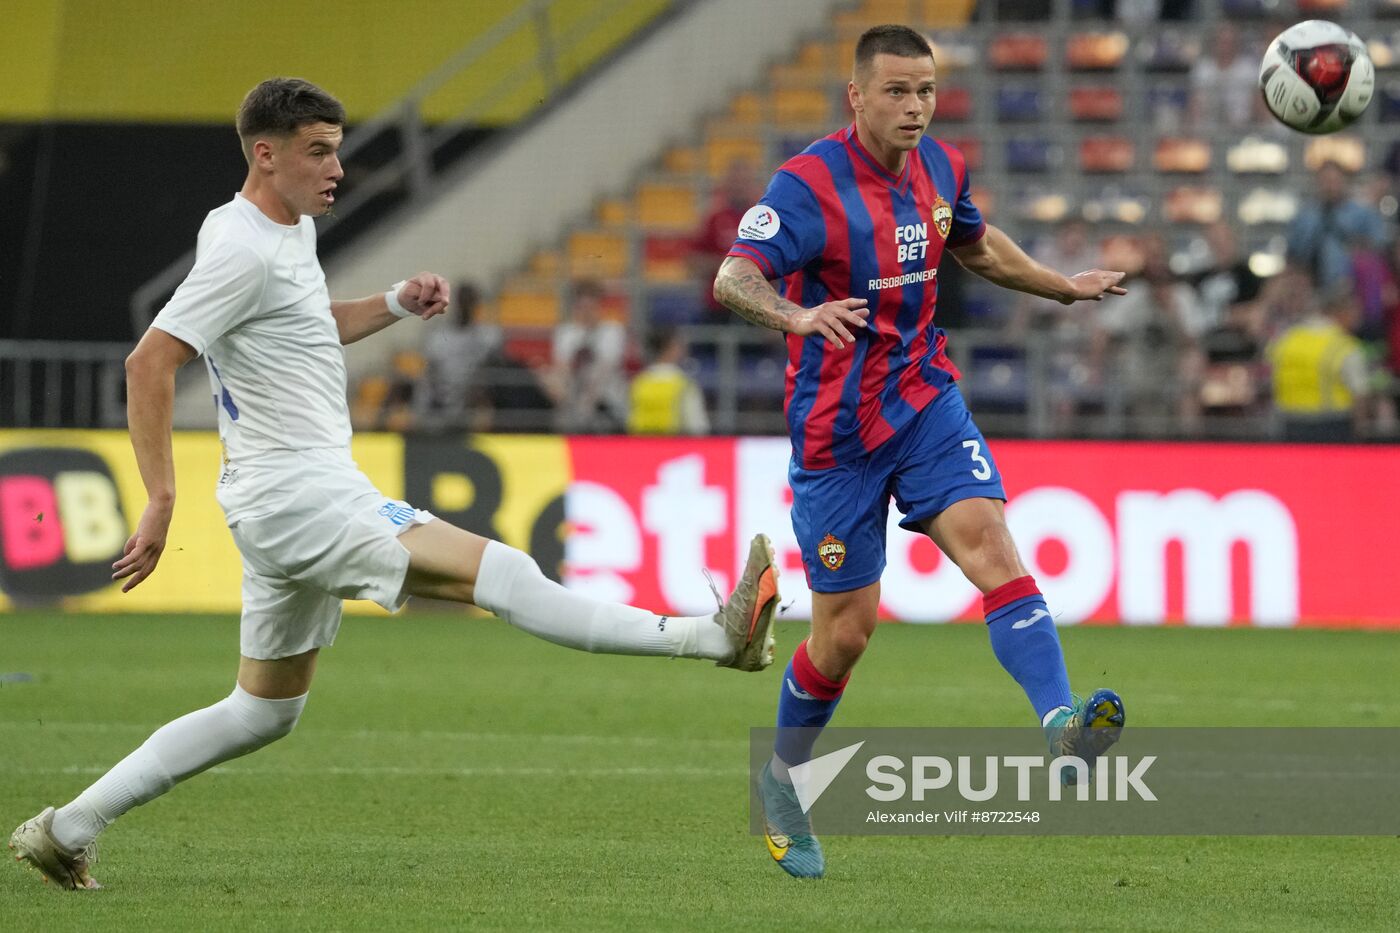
x,y
311,528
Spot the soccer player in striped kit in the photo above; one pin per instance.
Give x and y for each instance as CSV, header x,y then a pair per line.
x,y
852,230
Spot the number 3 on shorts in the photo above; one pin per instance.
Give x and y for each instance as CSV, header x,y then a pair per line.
x,y
983,470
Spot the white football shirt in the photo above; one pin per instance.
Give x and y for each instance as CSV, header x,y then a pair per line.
x,y
255,306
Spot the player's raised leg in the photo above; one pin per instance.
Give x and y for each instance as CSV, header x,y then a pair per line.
x,y
813,683
973,533
265,705
446,562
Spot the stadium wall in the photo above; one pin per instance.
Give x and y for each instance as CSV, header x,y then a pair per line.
x,y
1147,534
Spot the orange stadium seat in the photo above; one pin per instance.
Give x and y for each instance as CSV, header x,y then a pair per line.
x,y
597,254
1095,104
1322,6
1181,155
802,106
1018,52
613,213
943,14
1190,204
1096,51
662,206
546,263
1106,154
529,306
722,151
746,108
681,160
1347,151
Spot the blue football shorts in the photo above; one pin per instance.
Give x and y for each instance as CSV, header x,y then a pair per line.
x,y
840,513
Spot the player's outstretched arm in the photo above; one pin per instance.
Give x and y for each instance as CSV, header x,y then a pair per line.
x,y
150,400
998,259
741,287
425,295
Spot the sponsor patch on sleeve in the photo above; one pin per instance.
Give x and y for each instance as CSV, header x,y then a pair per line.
x,y
759,222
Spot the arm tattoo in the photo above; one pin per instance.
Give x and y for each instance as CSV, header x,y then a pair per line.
x,y
741,288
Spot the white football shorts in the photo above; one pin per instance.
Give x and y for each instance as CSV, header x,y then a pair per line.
x,y
329,536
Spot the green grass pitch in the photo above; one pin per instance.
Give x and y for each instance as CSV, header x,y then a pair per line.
x,y
452,773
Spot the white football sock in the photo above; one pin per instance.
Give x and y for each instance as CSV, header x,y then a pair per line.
x,y
234,726
510,584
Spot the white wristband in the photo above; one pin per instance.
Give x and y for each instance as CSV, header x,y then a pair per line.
x,y
391,298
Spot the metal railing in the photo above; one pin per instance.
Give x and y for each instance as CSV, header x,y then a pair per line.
x,y
420,148
61,384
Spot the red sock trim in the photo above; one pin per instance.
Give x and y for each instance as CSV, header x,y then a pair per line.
x,y
812,680
1008,593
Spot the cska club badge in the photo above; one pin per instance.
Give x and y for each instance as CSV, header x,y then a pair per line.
x,y
832,551
942,217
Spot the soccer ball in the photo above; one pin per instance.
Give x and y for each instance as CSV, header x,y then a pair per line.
x,y
1317,77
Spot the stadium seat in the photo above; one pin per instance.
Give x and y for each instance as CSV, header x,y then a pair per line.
x,y
746,108
943,14
722,151
529,346
1115,204
1095,104
613,213
1384,50
1320,7
1255,156
1169,52
1042,206
1347,151
1096,51
801,105
1016,105
1268,206
1018,52
665,259
1034,154
1191,204
1167,104
954,104
681,160
1180,155
1106,154
985,199
666,206
997,378
953,53
1249,9
675,305
546,264
528,306
597,254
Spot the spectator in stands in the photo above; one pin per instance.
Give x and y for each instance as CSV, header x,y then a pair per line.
x,y
1146,348
1227,291
1226,283
737,191
664,399
456,352
1321,384
1324,232
586,378
1225,84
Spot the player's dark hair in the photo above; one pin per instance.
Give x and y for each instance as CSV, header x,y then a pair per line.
x,y
281,106
889,39
660,340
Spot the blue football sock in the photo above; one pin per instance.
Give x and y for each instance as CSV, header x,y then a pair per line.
x,y
806,702
1026,643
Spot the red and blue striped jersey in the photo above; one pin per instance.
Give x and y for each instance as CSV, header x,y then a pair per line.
x,y
836,224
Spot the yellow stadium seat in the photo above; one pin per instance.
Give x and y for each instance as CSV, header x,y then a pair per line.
x,y
614,213
662,206
802,106
681,160
597,254
529,306
722,151
944,14
546,264
746,108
